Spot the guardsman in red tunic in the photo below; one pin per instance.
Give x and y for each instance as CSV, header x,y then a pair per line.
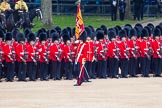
x,y
21,56
32,57
44,56
102,55
157,55
134,53
1,53
68,56
9,53
89,48
94,61
113,55
55,56
161,47
145,49
80,59
124,54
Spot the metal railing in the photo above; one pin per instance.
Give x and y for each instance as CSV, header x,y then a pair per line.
x,y
92,9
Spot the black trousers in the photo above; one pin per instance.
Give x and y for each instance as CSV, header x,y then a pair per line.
x,y
32,67
55,70
102,69
114,14
124,67
133,66
1,71
22,68
122,14
10,68
145,66
94,69
38,70
68,70
88,66
157,66
137,9
113,67
43,70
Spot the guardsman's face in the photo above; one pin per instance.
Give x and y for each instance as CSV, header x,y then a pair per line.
x,y
31,42
133,38
0,39
113,39
43,42
8,42
157,37
145,38
123,39
88,39
68,42
56,42
22,42
160,37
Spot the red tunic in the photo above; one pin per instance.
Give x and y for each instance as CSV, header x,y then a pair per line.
x,y
20,48
89,50
156,48
9,51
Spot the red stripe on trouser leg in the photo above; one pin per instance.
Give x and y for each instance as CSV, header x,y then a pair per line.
x,y
81,77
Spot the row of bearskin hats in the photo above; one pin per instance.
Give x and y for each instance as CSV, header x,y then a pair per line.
x,y
127,31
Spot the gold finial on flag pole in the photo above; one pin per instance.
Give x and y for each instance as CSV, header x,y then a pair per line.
x,y
77,2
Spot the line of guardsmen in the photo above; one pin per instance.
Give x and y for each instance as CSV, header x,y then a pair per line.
x,y
55,54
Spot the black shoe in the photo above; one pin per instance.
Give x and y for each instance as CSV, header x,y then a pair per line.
x,y
89,81
76,85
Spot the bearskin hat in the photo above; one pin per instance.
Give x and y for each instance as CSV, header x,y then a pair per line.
x,y
100,34
42,37
1,34
89,31
144,33
20,37
149,30
55,36
111,34
122,33
132,32
58,29
31,37
104,28
8,36
157,32
83,36
65,37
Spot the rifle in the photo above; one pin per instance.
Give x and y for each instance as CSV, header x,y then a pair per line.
x,y
25,56
160,48
95,53
46,57
149,52
13,55
70,56
127,51
135,50
59,53
36,57
105,51
117,52
1,55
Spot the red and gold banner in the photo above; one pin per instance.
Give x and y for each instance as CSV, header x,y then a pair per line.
x,y
79,23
